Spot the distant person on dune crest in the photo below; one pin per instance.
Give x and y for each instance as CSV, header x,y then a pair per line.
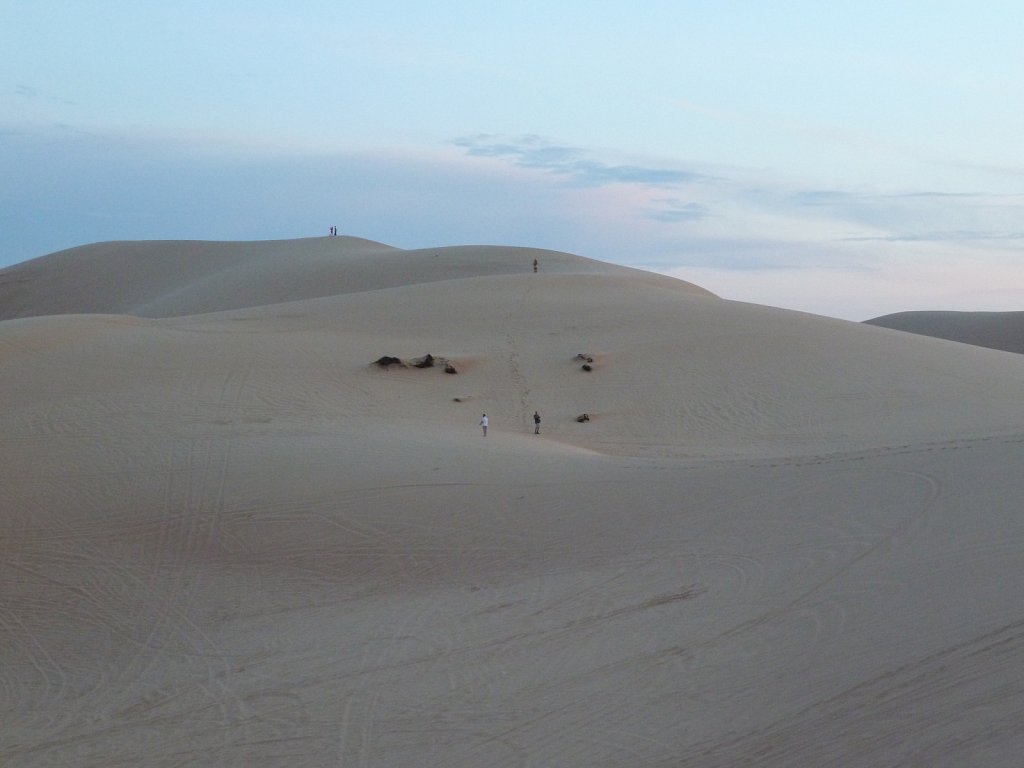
x,y
483,424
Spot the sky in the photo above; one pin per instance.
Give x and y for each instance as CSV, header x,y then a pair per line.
x,y
849,160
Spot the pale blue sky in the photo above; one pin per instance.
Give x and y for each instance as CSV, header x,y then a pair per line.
x,y
848,160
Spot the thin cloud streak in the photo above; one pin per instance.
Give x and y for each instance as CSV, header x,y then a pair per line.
x,y
675,211
574,163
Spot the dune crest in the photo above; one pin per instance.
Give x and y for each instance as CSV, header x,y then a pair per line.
x,y
175,278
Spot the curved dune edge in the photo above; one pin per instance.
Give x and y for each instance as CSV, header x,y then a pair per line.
x,y
175,278
994,330
226,537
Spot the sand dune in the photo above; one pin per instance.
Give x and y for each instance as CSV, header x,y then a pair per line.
x,y
995,330
229,539
165,279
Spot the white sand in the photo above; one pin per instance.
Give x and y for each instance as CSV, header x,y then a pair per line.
x,y
227,539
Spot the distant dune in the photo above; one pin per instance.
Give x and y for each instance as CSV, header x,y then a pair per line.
x,y
994,330
228,537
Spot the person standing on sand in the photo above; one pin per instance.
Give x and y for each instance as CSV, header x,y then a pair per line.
x,y
536,423
534,265
483,424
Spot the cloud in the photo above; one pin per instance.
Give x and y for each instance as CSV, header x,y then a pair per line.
x,y
616,197
949,236
949,281
574,163
31,93
60,188
675,211
917,216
